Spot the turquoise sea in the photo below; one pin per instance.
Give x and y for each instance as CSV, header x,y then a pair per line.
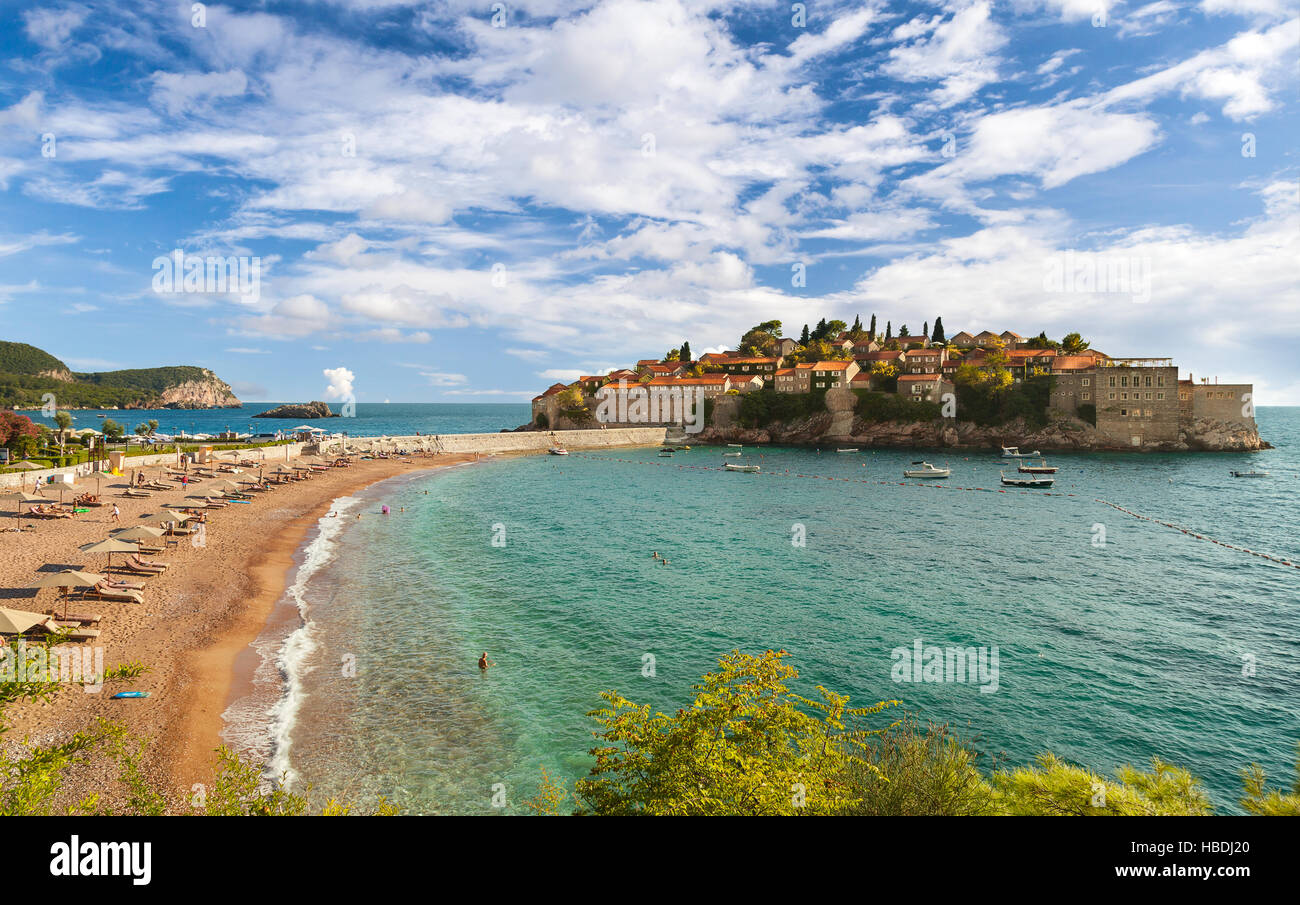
x,y
1108,653
372,419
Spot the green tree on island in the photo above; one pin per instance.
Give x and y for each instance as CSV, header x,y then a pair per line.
x,y
1073,344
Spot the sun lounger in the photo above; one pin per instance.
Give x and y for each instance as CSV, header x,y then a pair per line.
x,y
102,592
145,563
117,585
83,634
136,493
81,618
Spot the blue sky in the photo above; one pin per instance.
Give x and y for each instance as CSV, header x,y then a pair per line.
x,y
449,203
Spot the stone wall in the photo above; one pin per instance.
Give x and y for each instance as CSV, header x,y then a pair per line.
x,y
508,442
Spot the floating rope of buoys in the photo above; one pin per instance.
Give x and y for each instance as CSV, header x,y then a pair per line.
x,y
814,477
1190,533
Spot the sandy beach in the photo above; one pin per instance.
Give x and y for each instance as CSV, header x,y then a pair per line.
x,y
194,626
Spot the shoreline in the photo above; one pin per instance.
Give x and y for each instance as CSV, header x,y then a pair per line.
x,y
194,628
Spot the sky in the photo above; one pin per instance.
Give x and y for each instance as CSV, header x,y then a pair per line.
x,y
468,201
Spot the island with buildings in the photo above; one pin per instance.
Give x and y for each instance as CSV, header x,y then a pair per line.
x,y
842,383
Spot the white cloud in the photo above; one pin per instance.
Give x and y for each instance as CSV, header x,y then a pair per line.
x,y
340,384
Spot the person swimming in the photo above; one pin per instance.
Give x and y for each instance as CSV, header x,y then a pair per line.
x,y
484,663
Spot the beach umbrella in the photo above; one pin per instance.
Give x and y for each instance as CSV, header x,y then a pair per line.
x,y
110,546
20,497
62,488
139,533
15,622
68,578
28,466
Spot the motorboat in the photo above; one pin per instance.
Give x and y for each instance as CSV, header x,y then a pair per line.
x,y
1249,474
1029,481
1013,452
558,451
751,469
926,471
1041,468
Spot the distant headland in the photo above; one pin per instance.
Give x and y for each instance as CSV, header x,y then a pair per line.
x,y
32,378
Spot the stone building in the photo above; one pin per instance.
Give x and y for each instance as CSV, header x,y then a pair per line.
x,y
1137,401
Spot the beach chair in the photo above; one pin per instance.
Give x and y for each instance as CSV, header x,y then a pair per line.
x,y
103,592
135,560
136,493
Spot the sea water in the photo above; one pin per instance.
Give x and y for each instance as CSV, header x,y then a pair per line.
x,y
1117,639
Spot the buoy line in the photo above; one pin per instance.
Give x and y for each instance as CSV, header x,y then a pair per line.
x,y
1190,533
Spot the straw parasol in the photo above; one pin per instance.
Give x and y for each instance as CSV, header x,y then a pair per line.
x,y
110,546
16,622
68,578
63,488
139,533
21,496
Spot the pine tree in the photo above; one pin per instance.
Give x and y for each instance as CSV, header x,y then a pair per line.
x,y
686,352
938,331
925,329
804,338
857,324
902,331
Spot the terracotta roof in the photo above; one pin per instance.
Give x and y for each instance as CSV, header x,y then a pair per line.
x,y
784,372
1073,363
750,361
916,378
713,380
888,355
831,365
862,376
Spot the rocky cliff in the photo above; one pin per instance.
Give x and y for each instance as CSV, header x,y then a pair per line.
x,y
1060,434
207,392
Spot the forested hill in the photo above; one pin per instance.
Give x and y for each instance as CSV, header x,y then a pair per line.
x,y
27,374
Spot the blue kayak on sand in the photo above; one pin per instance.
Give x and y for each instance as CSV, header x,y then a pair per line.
x,y
132,694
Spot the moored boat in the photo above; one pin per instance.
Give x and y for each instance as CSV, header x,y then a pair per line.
x,y
853,449
1031,481
1249,474
1013,452
1041,468
751,469
558,451
733,454
926,471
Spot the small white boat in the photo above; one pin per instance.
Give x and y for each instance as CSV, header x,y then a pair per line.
x,y
665,453
1013,452
752,469
854,449
1030,481
926,471
558,451
1249,474
733,454
1041,468
736,444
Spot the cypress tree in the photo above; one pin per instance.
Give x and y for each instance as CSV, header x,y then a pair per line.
x,y
938,331
872,329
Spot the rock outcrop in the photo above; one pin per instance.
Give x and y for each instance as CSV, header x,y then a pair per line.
x,y
208,392
306,411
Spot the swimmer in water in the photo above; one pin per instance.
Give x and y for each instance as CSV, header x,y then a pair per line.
x,y
654,555
484,663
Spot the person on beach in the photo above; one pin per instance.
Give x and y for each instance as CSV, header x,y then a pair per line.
x,y
117,513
